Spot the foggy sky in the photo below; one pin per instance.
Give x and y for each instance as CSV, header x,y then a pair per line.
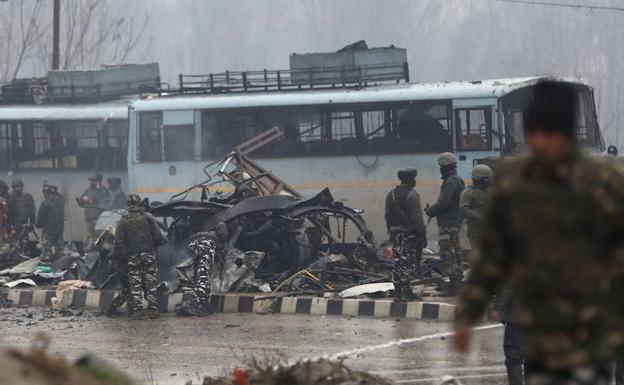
x,y
445,39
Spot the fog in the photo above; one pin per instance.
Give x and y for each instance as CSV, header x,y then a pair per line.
x,y
446,39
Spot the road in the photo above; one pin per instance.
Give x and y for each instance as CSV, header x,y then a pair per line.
x,y
174,350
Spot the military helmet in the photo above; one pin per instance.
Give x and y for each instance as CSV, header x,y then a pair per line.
x,y
134,200
447,159
407,174
17,182
481,171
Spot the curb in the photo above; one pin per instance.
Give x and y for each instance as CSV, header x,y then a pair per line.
x,y
245,303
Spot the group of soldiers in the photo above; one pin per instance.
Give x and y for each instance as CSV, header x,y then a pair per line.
x,y
19,215
408,231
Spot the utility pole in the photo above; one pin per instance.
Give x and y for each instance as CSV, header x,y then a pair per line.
x,y
56,34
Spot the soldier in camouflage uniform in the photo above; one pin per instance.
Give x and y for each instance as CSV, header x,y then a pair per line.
x,y
472,201
408,233
553,229
22,210
95,199
206,248
446,211
136,240
51,221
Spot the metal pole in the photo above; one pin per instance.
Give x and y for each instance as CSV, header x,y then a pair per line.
x,y
56,34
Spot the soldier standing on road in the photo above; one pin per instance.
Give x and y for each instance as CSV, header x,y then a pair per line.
x,y
553,229
136,241
446,211
22,209
472,201
95,198
117,196
408,232
51,221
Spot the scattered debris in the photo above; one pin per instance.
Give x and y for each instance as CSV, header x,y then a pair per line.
x,y
370,288
319,372
22,282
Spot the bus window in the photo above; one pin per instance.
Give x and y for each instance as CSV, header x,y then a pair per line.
x,y
221,132
474,128
514,109
179,142
423,126
5,146
150,140
32,144
587,130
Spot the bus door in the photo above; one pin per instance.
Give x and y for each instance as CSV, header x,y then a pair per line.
x,y
474,126
180,141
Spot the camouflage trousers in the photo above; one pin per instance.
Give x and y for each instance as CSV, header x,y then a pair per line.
x,y
52,247
407,253
142,281
594,374
204,251
450,251
473,237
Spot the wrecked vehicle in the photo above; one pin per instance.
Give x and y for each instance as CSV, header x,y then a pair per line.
x,y
265,215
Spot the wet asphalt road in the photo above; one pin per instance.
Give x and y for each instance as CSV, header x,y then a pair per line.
x,y
174,350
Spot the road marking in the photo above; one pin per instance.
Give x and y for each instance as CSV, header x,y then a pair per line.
x,y
437,379
367,349
489,368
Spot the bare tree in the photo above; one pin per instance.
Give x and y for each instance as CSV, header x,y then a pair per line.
x,y
21,30
92,33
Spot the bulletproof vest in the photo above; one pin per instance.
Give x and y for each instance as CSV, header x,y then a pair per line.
x,y
139,232
397,213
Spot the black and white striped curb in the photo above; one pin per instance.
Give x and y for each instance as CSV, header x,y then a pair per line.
x,y
247,303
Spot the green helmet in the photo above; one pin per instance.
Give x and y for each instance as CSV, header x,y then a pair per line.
x,y
447,159
481,171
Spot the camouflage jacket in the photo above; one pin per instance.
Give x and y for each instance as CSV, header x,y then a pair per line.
x,y
21,209
136,232
51,215
471,203
558,238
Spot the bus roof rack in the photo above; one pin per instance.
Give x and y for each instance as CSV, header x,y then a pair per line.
x,y
288,80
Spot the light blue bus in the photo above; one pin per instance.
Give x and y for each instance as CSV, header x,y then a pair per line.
x,y
352,140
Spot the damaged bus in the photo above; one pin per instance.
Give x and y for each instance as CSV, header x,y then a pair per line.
x,y
350,139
